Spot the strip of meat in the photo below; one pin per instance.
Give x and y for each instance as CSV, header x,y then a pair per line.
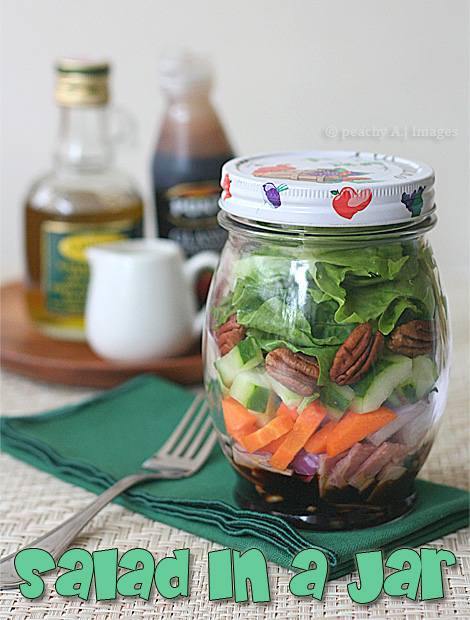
x,y
372,465
347,466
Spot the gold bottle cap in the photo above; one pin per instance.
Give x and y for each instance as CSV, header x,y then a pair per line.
x,y
81,82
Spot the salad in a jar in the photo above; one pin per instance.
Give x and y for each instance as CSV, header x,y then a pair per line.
x,y
325,365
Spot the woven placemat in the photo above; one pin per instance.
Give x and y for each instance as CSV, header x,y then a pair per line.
x,y
32,502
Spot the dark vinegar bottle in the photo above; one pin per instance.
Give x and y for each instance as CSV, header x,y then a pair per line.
x,y
191,149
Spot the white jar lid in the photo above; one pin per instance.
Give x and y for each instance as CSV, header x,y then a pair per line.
x,y
327,188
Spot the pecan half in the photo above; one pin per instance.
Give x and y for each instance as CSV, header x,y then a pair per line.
x,y
296,371
412,339
229,334
356,355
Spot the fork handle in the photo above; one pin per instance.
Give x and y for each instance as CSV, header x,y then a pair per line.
x,y
58,539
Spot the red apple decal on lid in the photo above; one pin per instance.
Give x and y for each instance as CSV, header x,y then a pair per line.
x,y
348,202
226,186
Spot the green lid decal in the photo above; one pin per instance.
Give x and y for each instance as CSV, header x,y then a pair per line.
x,y
414,201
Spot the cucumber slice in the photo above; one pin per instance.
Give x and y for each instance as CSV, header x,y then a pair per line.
x,y
396,398
252,389
378,384
246,355
289,398
223,388
422,379
271,408
336,398
306,401
409,393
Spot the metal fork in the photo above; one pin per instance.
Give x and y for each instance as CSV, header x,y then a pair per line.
x,y
182,455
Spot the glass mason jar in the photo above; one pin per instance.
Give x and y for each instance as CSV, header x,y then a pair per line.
x,y
327,346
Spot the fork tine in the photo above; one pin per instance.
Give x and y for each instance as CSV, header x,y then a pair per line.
x,y
204,452
188,435
198,439
189,445
176,434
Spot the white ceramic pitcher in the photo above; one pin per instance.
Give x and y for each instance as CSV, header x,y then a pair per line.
x,y
141,301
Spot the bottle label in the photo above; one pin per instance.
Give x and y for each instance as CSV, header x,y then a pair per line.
x,y
64,267
192,216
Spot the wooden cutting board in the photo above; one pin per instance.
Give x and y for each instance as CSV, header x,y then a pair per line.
x,y
25,350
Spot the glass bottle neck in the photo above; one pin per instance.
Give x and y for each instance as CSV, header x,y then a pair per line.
x,y
84,143
191,128
188,96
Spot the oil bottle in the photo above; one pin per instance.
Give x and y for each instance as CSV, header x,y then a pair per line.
x,y
81,202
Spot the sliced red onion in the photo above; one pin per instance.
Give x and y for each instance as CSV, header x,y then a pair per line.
x,y
306,479
305,463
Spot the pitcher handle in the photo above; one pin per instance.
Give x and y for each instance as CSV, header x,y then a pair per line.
x,y
192,268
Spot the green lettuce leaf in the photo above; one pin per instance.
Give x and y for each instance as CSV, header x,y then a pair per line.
x,y
311,304
288,321
263,268
393,312
376,284
384,261
321,317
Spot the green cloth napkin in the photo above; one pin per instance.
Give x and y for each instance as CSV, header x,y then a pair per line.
x,y
95,443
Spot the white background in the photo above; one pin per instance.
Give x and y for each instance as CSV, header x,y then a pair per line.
x,y
286,70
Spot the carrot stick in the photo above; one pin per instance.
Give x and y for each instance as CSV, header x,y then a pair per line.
x,y
238,420
317,442
354,427
277,427
284,410
272,446
304,427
